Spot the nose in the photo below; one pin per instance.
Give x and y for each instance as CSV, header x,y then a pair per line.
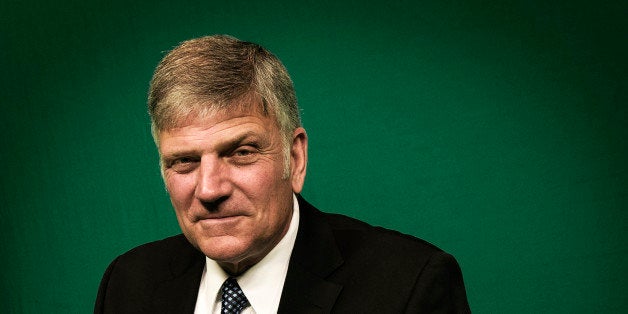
x,y
212,184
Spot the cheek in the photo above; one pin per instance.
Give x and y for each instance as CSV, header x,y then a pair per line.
x,y
268,193
263,183
271,193
180,189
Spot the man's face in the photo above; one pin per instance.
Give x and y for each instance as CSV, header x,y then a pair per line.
x,y
225,177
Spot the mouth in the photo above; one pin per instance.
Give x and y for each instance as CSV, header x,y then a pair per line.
x,y
211,221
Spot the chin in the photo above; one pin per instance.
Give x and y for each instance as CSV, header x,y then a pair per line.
x,y
229,249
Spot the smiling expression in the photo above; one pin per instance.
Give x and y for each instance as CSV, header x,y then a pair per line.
x,y
225,176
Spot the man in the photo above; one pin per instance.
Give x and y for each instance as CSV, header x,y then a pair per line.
x,y
233,157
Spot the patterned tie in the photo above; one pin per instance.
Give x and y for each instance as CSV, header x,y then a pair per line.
x,y
233,299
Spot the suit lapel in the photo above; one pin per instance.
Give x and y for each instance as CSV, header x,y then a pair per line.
x,y
314,257
178,293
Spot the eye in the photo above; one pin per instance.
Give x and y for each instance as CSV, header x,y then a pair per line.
x,y
183,164
243,155
243,152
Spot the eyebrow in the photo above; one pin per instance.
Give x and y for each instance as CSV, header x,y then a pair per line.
x,y
227,144
233,143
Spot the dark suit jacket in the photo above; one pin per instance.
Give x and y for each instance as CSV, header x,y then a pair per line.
x,y
338,265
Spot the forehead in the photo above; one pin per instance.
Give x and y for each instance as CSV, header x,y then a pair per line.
x,y
178,111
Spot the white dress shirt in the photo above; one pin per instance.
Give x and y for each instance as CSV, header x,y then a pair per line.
x,y
262,284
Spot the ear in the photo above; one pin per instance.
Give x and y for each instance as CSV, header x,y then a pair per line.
x,y
298,159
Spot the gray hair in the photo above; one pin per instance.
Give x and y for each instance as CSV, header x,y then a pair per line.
x,y
211,73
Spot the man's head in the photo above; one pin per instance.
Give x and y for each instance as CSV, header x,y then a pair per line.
x,y
226,123
207,74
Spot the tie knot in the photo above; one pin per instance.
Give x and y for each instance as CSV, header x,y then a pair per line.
x,y
233,298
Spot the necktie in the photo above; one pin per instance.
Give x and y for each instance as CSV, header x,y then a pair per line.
x,y
233,299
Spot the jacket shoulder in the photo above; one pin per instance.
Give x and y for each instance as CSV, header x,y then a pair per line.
x,y
395,272
159,250
130,281
156,257
355,235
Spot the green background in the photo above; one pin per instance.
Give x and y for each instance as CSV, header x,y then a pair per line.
x,y
494,129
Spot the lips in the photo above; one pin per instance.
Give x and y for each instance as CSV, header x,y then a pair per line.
x,y
222,217
201,213
218,217
220,223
